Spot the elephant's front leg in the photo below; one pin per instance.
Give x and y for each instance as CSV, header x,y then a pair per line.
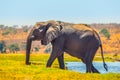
x,y
55,53
61,61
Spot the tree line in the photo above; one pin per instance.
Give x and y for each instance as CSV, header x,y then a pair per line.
x,y
13,48
106,30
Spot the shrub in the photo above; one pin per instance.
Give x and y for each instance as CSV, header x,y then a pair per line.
x,y
2,46
9,30
5,33
14,47
48,50
105,32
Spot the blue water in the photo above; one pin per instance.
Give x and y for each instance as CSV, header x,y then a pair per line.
x,y
113,67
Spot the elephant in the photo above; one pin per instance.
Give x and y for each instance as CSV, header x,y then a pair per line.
x,y
81,43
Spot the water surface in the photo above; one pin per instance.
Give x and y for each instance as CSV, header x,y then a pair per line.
x,y
113,67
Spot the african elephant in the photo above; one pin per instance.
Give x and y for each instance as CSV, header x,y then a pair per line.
x,y
80,43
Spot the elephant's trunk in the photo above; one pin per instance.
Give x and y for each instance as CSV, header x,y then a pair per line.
x,y
28,47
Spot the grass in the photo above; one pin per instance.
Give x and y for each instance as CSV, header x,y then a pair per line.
x,y
12,67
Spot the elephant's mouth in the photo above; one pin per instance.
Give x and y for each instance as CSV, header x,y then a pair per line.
x,y
44,42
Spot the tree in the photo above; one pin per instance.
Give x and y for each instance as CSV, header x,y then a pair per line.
x,y
105,32
14,48
25,28
5,33
2,46
36,49
48,50
2,27
9,30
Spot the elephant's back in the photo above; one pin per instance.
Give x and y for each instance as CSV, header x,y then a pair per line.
x,y
82,27
78,41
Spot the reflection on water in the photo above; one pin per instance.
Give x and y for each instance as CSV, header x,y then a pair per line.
x,y
113,67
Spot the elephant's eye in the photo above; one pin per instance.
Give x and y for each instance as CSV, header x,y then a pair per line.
x,y
40,30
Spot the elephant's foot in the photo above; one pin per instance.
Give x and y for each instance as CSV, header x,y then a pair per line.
x,y
48,65
94,70
28,63
88,72
66,68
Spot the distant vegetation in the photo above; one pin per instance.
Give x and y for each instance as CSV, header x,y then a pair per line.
x,y
13,48
105,32
12,66
14,38
109,34
2,46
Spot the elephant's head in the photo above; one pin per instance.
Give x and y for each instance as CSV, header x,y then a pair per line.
x,y
46,32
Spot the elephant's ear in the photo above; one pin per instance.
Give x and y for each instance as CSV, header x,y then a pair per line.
x,y
51,33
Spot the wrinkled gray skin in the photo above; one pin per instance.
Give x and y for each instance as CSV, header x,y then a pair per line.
x,y
77,43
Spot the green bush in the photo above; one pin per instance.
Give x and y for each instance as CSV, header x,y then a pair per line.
x,y
5,33
105,32
14,47
25,28
2,46
9,30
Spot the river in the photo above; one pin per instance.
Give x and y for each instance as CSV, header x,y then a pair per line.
x,y
113,67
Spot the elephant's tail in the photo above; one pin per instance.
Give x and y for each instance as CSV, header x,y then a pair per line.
x,y
98,37
104,64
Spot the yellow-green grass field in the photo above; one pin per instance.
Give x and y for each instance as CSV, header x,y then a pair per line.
x,y
12,67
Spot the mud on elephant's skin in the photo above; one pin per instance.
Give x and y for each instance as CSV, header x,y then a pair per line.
x,y
81,43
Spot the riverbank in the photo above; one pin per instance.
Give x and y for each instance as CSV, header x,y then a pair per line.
x,y
12,67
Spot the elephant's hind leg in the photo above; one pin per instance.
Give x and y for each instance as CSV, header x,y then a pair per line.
x,y
88,58
88,64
